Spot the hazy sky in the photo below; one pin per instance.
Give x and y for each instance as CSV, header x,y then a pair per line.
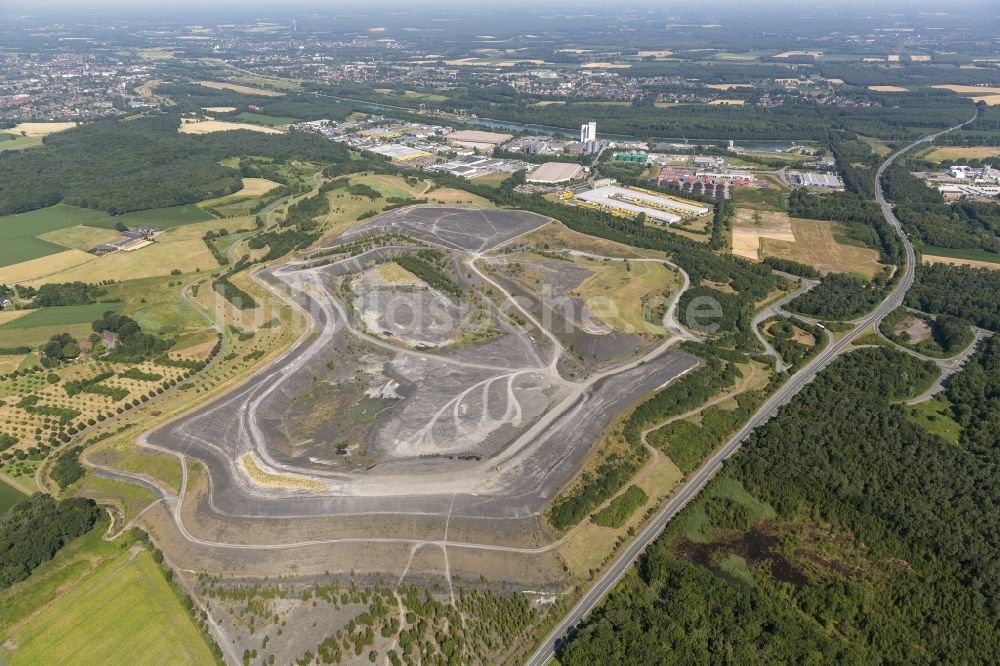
x,y
40,6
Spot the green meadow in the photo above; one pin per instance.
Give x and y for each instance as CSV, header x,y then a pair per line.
x,y
19,233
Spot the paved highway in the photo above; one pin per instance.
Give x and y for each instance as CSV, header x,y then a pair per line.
x,y
703,475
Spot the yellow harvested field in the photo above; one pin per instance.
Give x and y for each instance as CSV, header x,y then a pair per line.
x,y
218,109
198,351
393,273
26,271
728,86
80,237
39,129
920,58
970,90
815,245
654,54
952,261
757,234
207,126
11,315
888,89
253,187
988,100
893,57
253,471
962,152
235,87
727,102
181,248
751,226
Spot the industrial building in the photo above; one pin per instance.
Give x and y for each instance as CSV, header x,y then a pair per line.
x,y
632,156
630,201
826,181
397,152
552,173
588,132
477,139
473,166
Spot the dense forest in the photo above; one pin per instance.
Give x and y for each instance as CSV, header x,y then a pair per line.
x,y
144,163
838,296
842,533
972,294
33,530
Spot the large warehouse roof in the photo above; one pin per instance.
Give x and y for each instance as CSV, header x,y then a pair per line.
x,y
399,152
656,207
478,136
555,172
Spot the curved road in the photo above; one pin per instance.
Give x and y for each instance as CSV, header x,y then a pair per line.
x,y
701,477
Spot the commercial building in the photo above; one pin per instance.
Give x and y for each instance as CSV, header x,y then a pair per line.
x,y
397,152
630,201
473,166
730,176
552,173
986,175
826,181
477,139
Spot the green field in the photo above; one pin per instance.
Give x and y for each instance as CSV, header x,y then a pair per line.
x,y
34,328
961,253
13,142
262,119
771,198
18,233
45,582
125,612
164,218
934,415
9,496
156,303
66,315
14,250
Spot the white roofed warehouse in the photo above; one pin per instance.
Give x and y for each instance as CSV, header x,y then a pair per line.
x,y
630,201
553,173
